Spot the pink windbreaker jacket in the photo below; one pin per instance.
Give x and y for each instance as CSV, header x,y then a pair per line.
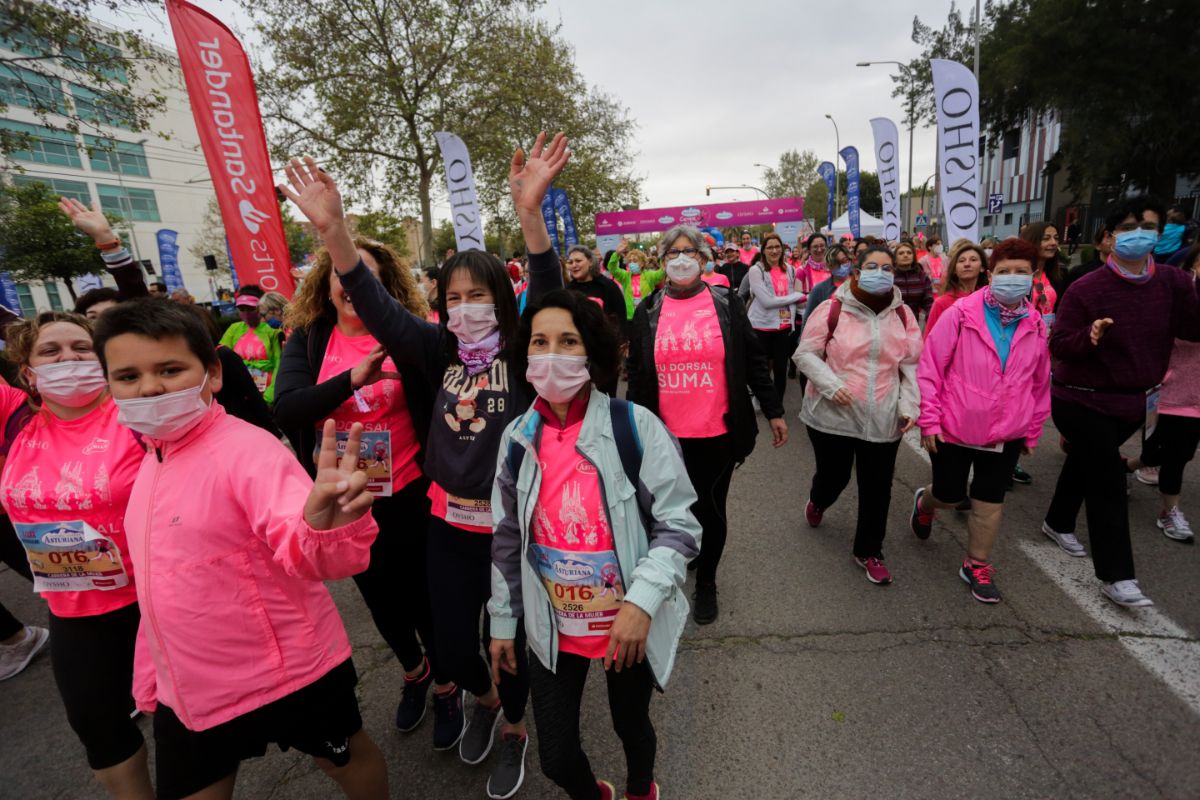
x,y
966,397
234,614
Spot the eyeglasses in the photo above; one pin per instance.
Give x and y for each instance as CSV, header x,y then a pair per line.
x,y
1126,227
772,247
687,251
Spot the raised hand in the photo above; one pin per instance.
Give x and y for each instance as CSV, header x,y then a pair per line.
x,y
529,178
314,193
89,220
339,495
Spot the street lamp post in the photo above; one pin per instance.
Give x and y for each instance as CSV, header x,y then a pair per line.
x,y
912,124
837,184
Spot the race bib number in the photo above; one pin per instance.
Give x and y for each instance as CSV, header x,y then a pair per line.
x,y
71,557
374,458
262,378
1152,398
465,511
585,589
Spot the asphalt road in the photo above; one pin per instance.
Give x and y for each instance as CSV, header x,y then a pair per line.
x,y
815,683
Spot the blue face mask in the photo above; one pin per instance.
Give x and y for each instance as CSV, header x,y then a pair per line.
x,y
635,269
1009,289
275,323
840,271
709,267
1135,245
875,281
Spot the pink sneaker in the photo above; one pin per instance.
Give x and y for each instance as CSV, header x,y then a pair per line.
x,y
877,571
653,795
607,790
813,514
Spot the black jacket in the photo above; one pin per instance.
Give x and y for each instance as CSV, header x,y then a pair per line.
x,y
301,402
745,365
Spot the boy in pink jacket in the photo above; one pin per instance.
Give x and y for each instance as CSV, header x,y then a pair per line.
x,y
984,377
240,644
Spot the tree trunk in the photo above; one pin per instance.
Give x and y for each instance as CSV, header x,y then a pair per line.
x,y
71,290
426,217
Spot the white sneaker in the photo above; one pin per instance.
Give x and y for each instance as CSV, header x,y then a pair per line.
x,y
1126,593
1067,541
1147,475
15,657
1174,525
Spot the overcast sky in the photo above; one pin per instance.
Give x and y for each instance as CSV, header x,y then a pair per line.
x,y
773,69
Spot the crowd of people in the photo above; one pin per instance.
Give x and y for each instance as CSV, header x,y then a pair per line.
x,y
455,444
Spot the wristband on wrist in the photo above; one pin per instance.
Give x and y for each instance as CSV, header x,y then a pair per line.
x,y
112,245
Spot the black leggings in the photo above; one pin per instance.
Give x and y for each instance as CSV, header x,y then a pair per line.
x,y
1171,447
709,464
778,347
12,554
1094,474
92,660
394,585
556,699
460,584
874,464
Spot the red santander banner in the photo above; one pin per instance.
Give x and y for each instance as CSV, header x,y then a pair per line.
x,y
225,105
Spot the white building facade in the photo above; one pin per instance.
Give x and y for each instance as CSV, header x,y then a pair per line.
x,y
155,179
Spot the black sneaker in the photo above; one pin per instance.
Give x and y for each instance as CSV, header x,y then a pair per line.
x,y
979,578
413,701
449,722
480,733
509,772
705,598
1021,476
920,521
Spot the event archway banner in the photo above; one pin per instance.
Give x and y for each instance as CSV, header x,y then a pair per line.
x,y
714,215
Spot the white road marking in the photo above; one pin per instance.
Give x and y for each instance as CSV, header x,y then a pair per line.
x,y
1160,645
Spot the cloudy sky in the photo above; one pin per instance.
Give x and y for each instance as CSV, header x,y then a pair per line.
x,y
773,70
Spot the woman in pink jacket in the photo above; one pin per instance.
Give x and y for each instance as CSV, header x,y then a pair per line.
x,y
985,393
1173,443
240,644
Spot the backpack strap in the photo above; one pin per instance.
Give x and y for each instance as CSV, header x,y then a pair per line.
x,y
629,448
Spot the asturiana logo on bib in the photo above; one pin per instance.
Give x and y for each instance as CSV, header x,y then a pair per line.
x,y
63,537
572,570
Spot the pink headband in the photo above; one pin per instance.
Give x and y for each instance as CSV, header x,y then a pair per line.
x,y
247,300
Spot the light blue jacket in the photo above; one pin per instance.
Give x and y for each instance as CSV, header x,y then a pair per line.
x,y
653,563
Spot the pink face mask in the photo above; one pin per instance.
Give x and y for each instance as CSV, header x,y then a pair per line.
x,y
558,378
472,322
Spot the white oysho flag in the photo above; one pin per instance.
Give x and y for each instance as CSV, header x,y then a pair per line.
x,y
957,95
464,201
887,164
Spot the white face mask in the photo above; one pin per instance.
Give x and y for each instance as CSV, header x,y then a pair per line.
x,y
73,384
558,378
936,249
683,270
166,417
472,322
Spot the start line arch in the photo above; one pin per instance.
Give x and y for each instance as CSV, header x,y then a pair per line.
x,y
786,213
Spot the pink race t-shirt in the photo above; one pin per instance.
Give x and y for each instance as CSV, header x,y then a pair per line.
x,y
61,473
689,357
573,542
389,439
779,282
715,279
635,286
1044,296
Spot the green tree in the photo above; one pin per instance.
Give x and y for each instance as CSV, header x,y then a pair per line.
x,y
211,241
816,198
39,242
108,62
300,244
365,84
792,176
383,227
443,240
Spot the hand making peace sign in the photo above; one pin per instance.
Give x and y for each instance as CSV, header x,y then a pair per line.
x,y
339,495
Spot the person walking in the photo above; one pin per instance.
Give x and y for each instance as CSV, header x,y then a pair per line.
x,y
773,307
860,351
984,378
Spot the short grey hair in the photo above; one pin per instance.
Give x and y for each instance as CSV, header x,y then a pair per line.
x,y
693,235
